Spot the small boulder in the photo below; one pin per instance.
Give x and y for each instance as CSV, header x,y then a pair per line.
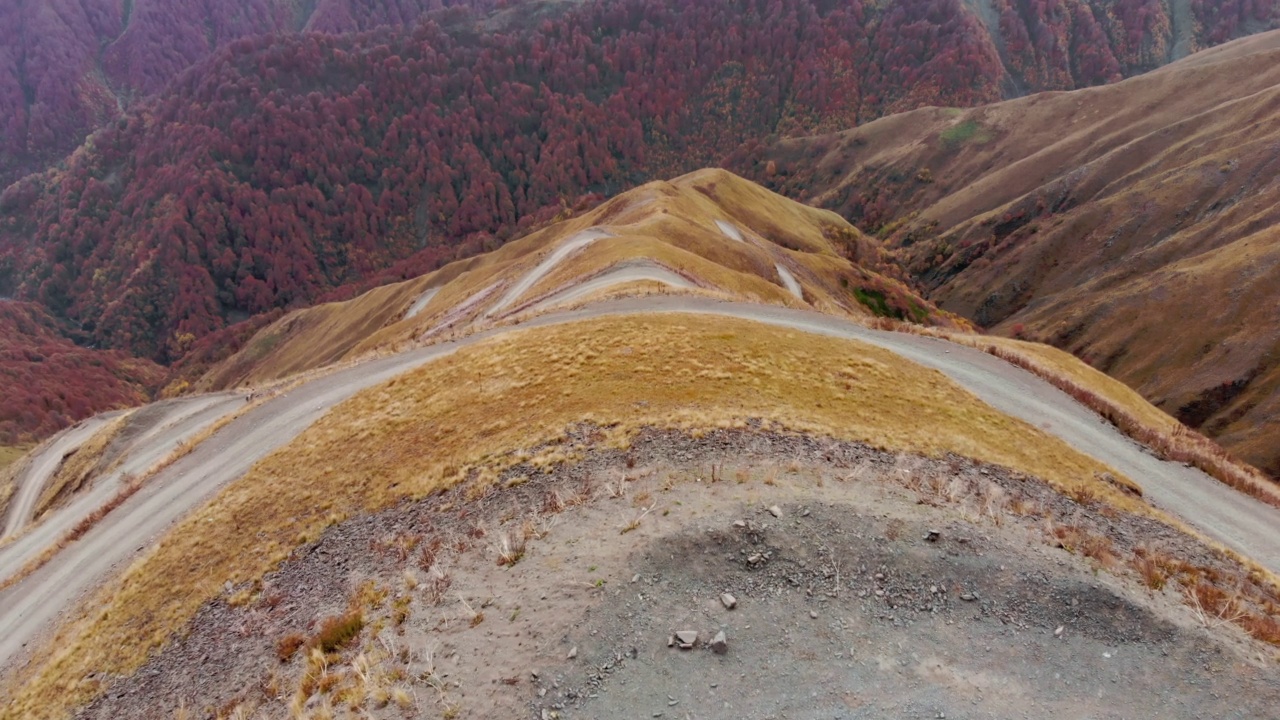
x,y
719,643
687,639
775,511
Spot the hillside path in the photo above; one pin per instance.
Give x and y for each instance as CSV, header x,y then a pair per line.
x,y
42,467
172,422
31,606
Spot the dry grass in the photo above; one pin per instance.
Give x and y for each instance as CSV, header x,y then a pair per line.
x,y
524,389
9,454
336,632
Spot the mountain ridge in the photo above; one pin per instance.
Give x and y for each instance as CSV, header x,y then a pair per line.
x,y
1152,199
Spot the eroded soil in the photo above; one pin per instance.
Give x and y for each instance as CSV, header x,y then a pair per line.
x,y
885,586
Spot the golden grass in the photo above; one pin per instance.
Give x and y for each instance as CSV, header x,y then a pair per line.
x,y
465,413
86,462
9,454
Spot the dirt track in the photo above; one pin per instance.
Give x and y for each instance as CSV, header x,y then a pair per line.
x,y
42,467
29,607
173,422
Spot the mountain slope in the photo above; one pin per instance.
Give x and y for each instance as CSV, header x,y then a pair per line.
x,y
50,382
709,233
1133,224
499,407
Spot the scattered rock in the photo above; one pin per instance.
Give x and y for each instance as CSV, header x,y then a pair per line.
x,y
775,511
671,640
969,597
687,638
573,653
730,602
1058,632
932,536
813,614
755,558
635,578
719,643
805,513
739,523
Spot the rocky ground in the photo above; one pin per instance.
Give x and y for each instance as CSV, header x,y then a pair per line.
x,y
846,582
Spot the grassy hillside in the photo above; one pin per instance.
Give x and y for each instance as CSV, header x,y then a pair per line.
x,y
516,399
1135,225
671,225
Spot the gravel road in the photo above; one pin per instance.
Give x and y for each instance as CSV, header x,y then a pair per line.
x,y
42,467
170,423
631,272
30,606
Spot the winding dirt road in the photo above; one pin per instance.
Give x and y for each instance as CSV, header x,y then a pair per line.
x,y
173,422
630,272
35,603
43,466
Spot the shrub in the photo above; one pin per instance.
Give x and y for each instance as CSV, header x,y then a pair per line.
x,y
337,631
288,645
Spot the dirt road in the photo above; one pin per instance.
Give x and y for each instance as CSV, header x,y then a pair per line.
x,y
42,467
567,248
30,606
173,422
630,272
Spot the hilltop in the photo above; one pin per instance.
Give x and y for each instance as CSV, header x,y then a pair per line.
x,y
513,486
1134,225
709,233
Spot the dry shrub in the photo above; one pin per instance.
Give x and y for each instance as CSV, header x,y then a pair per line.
x,y
1155,568
511,550
337,631
430,553
289,645
1262,626
1076,539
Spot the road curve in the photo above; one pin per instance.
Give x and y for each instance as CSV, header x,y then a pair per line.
x,y
30,606
42,467
177,421
630,272
567,248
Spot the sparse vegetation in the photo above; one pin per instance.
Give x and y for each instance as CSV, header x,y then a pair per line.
x,y
735,370
968,131
337,631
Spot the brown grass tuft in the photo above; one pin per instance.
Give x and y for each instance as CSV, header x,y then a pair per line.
x,y
288,646
337,631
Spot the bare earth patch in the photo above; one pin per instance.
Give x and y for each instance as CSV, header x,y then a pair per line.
x,y
865,584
